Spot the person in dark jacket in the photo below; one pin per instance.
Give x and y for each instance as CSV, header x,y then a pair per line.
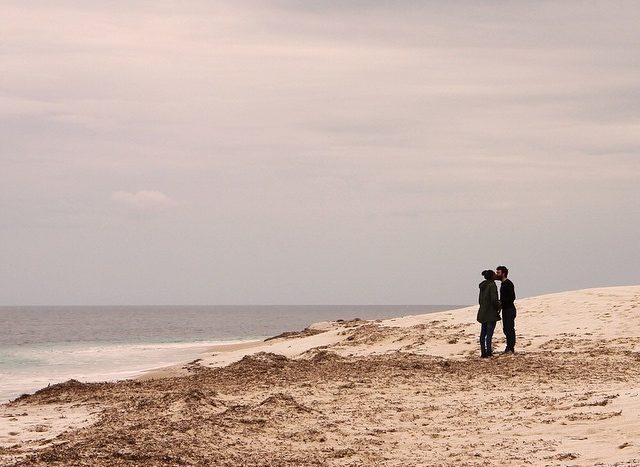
x,y
489,311
507,297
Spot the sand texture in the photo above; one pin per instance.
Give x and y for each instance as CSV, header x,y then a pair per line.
x,y
403,392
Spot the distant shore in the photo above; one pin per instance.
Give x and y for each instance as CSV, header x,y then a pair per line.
x,y
403,391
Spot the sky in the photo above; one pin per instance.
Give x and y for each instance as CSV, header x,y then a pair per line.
x,y
299,152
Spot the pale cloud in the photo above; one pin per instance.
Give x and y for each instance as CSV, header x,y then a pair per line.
x,y
143,200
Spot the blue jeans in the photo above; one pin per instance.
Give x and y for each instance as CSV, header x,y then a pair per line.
x,y
486,335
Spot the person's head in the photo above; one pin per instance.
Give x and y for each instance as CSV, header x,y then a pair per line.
x,y
501,273
489,275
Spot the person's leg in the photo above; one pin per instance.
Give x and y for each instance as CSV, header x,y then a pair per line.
x,y
513,332
508,326
483,338
491,326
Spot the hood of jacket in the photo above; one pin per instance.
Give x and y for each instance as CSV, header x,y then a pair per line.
x,y
484,284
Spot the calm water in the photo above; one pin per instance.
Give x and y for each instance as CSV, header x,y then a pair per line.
x,y
42,345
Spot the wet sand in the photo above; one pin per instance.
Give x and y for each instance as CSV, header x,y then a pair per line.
x,y
402,392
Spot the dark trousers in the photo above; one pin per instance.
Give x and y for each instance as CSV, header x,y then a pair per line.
x,y
509,327
486,335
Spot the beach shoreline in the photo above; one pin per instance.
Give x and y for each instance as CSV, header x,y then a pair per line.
x,y
48,345
402,391
114,362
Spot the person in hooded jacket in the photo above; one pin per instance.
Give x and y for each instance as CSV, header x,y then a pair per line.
x,y
489,311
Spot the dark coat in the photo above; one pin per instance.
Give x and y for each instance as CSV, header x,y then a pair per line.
x,y
489,304
507,295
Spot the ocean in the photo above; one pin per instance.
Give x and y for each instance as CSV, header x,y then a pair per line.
x,y
49,344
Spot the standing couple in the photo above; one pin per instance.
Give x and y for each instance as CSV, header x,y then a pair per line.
x,y
490,306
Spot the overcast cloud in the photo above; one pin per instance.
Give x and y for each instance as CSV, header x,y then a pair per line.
x,y
293,152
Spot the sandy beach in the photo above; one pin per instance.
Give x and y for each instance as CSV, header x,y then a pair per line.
x,y
407,391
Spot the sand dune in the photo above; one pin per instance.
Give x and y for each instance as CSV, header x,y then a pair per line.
x,y
398,392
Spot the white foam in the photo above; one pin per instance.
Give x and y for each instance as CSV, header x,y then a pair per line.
x,y
53,364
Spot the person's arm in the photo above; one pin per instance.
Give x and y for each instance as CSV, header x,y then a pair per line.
x,y
511,292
